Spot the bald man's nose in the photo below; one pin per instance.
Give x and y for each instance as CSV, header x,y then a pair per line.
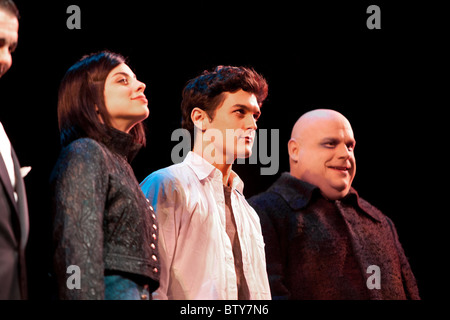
x,y
343,151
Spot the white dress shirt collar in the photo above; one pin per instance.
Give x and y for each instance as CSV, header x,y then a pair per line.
x,y
204,169
5,151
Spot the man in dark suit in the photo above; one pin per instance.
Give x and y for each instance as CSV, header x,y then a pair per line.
x,y
14,223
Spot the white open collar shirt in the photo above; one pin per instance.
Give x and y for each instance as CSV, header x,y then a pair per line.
x,y
195,251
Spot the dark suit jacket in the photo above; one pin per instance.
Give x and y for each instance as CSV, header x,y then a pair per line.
x,y
14,227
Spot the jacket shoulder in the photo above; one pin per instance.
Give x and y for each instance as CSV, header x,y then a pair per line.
x,y
82,149
82,156
268,202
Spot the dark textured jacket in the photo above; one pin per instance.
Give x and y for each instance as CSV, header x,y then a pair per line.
x,y
103,222
321,249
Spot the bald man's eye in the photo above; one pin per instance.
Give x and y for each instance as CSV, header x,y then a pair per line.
x,y
329,145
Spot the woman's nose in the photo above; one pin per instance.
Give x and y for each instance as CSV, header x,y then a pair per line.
x,y
140,86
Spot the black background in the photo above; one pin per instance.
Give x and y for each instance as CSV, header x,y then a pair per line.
x,y
319,55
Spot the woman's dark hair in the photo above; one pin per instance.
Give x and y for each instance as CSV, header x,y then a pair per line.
x,y
81,94
207,91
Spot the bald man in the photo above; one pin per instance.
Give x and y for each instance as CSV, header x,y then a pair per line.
x,y
323,241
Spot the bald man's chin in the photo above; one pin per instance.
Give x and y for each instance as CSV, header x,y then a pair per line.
x,y
335,194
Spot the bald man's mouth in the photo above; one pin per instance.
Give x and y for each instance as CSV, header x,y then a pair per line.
x,y
343,169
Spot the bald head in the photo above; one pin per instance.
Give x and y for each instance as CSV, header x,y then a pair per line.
x,y
306,124
321,152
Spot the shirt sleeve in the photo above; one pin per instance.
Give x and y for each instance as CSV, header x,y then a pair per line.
x,y
165,196
79,197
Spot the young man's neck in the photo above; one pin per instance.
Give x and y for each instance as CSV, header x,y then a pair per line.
x,y
224,166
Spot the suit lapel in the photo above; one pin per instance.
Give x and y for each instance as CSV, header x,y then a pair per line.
x,y
21,202
4,176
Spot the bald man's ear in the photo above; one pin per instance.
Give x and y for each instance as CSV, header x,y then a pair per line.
x,y
200,119
293,149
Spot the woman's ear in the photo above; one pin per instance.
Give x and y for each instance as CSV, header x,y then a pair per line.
x,y
97,111
200,119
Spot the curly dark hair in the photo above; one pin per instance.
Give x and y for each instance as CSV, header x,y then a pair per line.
x,y
207,91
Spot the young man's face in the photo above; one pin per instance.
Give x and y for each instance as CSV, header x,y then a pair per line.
x,y
232,131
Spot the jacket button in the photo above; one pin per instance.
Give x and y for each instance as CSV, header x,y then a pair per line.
x,y
153,246
154,236
155,270
154,258
155,227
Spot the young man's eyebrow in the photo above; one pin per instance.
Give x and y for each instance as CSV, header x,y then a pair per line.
x,y
247,108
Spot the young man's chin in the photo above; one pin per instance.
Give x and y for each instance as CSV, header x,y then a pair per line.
x,y
244,154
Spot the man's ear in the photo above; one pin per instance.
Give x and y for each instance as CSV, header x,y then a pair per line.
x,y
200,119
293,149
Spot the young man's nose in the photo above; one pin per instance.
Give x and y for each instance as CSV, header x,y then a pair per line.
x,y
251,123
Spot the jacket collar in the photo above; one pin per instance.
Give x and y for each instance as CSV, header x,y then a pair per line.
x,y
298,194
204,169
121,143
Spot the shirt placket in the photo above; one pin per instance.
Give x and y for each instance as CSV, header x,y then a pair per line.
x,y
239,211
230,287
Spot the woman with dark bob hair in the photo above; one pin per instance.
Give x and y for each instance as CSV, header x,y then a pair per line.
x,y
105,231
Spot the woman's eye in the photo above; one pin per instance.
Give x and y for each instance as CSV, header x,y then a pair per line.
x,y
123,80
